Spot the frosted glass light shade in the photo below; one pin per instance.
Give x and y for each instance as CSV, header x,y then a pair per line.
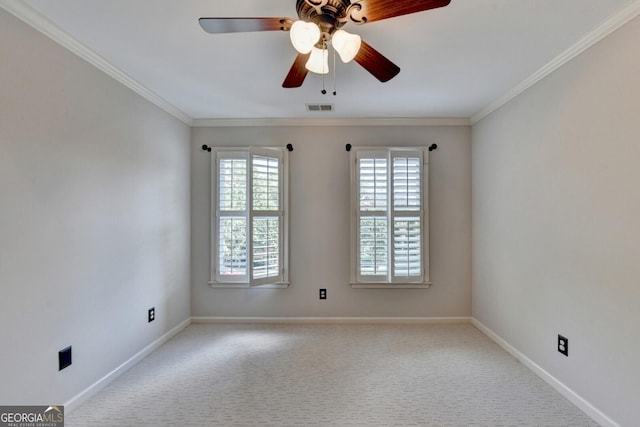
x,y
318,61
304,35
346,44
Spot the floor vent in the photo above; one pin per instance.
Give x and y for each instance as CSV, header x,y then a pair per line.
x,y
319,107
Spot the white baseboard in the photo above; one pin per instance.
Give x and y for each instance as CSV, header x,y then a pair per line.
x,y
586,407
107,379
329,320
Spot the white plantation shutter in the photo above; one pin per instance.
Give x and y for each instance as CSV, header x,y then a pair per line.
x,y
407,236
407,253
233,247
374,246
388,191
406,182
374,179
232,191
373,202
231,216
248,228
266,216
266,248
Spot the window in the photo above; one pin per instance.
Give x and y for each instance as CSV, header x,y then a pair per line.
x,y
390,224
249,217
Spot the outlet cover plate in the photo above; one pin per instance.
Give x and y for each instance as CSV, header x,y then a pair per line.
x,y
563,345
64,358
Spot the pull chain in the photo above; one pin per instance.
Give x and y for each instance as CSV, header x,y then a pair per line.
x,y
324,46
335,72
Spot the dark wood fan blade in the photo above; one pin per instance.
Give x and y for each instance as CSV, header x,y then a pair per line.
x,y
243,25
377,10
298,71
375,63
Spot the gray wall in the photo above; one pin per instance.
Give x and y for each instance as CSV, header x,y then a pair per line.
x,y
556,223
94,219
319,201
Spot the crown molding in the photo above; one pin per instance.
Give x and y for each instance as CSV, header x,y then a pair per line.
x,y
602,31
36,20
356,121
31,17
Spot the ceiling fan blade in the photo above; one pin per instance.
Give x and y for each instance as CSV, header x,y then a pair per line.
x,y
377,10
298,71
375,63
242,25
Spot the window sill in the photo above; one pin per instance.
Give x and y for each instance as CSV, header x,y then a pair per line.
x,y
362,285
221,285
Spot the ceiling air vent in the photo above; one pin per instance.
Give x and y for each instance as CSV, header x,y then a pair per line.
x,y
319,107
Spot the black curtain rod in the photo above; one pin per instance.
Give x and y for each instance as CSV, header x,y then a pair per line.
x,y
205,147
432,147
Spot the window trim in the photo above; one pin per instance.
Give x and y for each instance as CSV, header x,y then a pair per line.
x,y
247,281
389,282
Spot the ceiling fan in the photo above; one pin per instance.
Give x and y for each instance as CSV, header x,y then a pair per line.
x,y
320,24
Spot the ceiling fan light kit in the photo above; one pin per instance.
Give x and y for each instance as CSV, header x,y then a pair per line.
x,y
318,61
347,45
304,36
320,24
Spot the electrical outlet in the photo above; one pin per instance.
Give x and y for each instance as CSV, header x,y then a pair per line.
x,y
152,314
563,345
323,294
64,358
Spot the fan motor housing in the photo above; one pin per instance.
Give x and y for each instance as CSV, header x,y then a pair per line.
x,y
325,13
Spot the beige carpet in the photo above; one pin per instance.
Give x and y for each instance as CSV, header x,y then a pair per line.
x,y
329,375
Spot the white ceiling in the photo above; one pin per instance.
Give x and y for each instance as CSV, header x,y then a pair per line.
x,y
455,61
